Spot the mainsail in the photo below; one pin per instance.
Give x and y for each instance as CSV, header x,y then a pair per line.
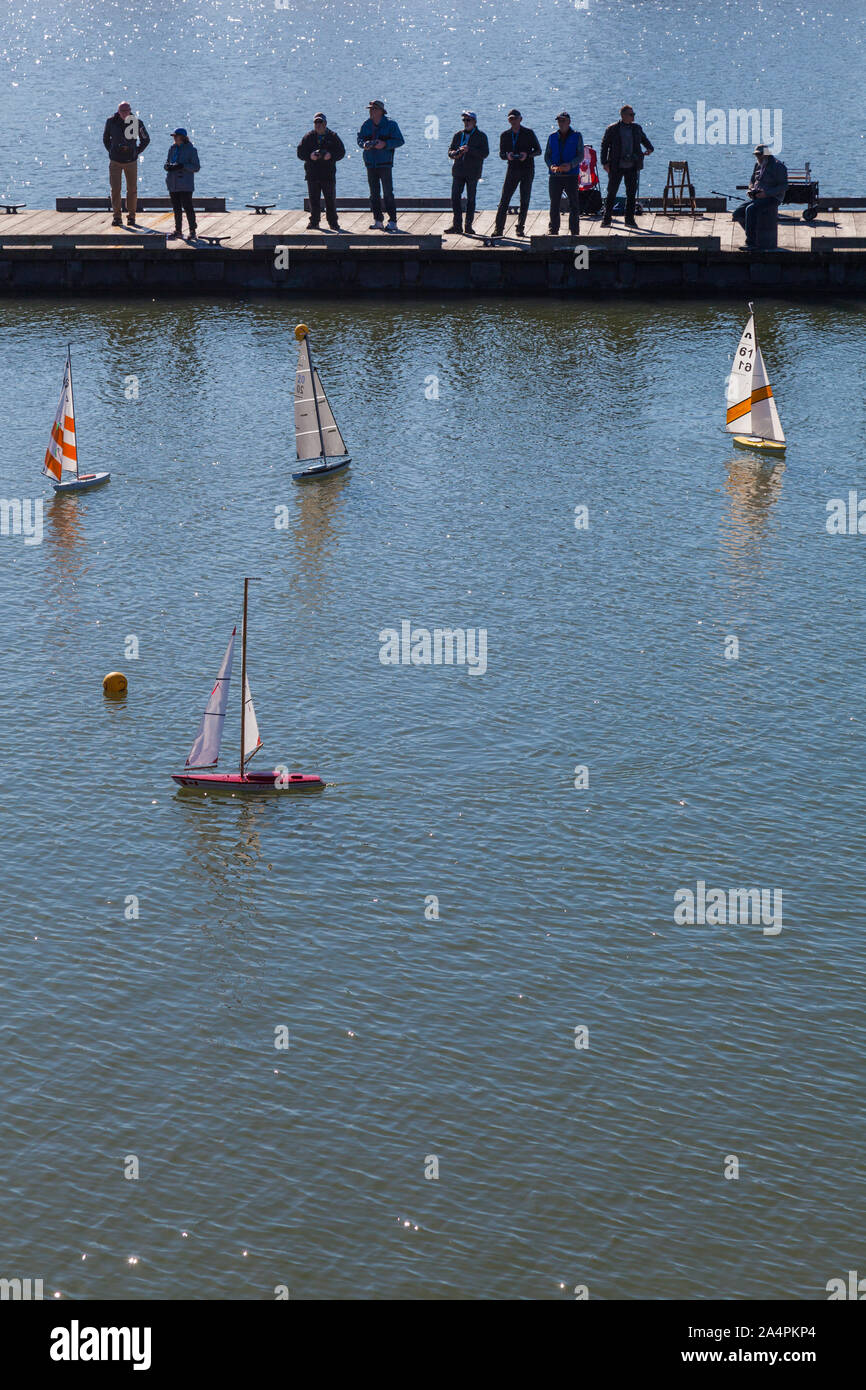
x,y
206,749
751,408
317,434
62,454
252,741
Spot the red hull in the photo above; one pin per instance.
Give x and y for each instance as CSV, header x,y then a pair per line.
x,y
250,782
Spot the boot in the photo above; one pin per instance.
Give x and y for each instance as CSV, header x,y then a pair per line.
x,y
454,230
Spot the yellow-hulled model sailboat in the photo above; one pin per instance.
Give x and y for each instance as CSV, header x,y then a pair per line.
x,y
752,417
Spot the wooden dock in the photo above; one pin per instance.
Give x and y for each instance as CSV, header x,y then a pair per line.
x,y
50,251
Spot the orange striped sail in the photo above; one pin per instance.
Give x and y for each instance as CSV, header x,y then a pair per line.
x,y
751,409
61,455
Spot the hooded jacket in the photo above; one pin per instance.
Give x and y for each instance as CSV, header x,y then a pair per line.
x,y
180,178
386,130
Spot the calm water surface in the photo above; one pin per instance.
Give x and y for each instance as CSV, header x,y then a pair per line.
x,y
452,1037
411,1037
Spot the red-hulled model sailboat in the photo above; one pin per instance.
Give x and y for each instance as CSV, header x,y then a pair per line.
x,y
205,751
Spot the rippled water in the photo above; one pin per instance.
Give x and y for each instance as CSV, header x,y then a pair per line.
x,y
245,77
409,1037
452,1037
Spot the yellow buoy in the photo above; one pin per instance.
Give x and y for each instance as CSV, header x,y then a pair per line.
x,y
114,684
301,332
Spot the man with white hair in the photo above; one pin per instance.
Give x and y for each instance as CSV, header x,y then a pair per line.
x,y
125,138
767,189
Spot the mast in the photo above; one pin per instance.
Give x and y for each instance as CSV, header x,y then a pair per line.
x,y
244,670
244,675
72,401
316,401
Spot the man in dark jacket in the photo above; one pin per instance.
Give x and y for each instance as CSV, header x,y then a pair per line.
x,y
320,149
467,152
518,146
622,155
760,216
562,156
125,138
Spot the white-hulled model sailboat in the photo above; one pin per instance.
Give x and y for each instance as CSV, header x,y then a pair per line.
x,y
62,453
752,417
206,749
317,435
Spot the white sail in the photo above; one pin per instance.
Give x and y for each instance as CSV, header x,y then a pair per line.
x,y
206,749
316,431
751,408
334,443
252,741
62,453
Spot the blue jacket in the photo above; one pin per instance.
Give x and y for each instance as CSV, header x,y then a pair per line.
x,y
184,161
386,130
568,151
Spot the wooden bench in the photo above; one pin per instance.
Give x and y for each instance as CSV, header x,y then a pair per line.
x,y
620,243
143,204
838,243
336,241
59,242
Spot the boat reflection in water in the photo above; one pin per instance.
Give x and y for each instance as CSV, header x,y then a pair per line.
x,y
753,488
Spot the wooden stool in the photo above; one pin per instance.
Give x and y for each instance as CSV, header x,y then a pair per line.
x,y
677,192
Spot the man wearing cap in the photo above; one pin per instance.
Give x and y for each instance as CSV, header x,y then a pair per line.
x,y
622,154
518,146
379,137
467,152
562,156
320,149
767,189
125,138
181,166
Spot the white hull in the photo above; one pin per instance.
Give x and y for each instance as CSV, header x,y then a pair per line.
x,y
83,483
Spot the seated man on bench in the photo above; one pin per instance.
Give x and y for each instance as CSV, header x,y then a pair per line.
x,y
760,216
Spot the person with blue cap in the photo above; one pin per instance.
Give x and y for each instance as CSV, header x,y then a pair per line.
x,y
468,150
181,166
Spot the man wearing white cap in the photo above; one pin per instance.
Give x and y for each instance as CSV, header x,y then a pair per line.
x,y
468,150
767,189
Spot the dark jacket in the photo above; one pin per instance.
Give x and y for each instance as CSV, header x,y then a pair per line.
x,y
527,143
567,151
183,159
115,140
611,144
386,130
470,164
771,177
321,168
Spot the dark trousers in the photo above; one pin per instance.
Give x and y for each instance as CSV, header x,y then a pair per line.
x,y
567,184
381,184
760,217
326,186
517,172
182,203
614,179
458,183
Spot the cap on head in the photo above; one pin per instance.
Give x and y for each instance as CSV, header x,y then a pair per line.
x,y
761,149
469,116
379,104
514,112
180,131
320,116
563,116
